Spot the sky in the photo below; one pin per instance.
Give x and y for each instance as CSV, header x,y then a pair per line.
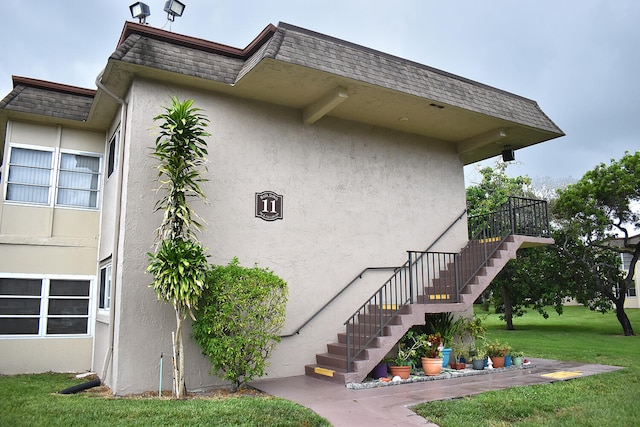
x,y
578,59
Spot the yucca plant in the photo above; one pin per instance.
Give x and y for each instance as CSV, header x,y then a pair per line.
x,y
179,264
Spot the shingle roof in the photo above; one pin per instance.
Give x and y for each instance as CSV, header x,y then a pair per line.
x,y
325,53
152,48
290,44
48,99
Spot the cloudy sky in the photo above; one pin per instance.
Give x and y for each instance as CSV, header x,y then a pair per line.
x,y
579,59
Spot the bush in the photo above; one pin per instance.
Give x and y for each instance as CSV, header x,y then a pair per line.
x,y
238,321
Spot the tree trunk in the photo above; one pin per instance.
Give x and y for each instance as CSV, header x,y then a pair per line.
x,y
178,354
508,309
622,317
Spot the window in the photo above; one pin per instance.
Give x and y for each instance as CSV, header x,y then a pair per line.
x,y
112,160
31,178
44,306
105,287
626,265
29,175
78,180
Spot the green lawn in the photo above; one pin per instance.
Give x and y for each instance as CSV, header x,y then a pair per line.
x,y
601,400
32,400
578,334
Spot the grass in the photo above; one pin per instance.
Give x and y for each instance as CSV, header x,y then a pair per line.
x,y
32,400
578,334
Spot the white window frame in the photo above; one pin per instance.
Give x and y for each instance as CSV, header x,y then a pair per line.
x,y
44,297
106,301
112,150
54,176
50,196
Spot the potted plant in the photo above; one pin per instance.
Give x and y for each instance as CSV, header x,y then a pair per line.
x,y
432,354
497,351
408,348
443,324
460,353
479,356
518,358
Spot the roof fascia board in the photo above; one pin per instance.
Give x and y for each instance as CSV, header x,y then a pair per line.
x,y
197,43
57,87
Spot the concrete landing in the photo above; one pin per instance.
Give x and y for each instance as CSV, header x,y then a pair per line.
x,y
389,405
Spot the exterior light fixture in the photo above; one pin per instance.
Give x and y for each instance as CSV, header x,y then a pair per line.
x,y
141,11
173,8
508,154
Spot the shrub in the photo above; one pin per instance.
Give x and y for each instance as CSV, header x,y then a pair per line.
x,y
239,317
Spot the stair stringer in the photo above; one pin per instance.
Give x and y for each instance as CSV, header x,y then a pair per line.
x,y
413,314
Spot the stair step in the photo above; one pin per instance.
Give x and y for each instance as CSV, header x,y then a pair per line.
x,y
333,375
340,349
332,361
377,318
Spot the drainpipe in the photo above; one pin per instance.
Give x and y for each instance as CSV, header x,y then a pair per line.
x,y
116,238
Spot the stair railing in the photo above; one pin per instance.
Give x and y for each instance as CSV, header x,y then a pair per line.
x,y
429,277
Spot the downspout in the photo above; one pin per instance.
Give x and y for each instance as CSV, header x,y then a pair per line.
x,y
116,238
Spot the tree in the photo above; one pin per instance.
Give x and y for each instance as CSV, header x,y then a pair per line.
x,y
240,315
494,189
529,280
179,264
592,212
535,279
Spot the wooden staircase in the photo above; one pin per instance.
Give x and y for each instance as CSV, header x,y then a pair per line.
x,y
440,296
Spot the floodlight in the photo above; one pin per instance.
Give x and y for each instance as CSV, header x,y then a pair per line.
x,y
141,11
173,8
508,155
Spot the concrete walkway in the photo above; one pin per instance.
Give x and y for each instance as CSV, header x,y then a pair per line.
x,y
389,405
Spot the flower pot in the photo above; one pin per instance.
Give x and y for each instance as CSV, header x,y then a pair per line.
x,y
432,366
478,364
498,361
379,371
507,361
401,371
517,361
458,365
446,353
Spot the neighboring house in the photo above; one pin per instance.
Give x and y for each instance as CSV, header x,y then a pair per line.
x,y
632,300
359,156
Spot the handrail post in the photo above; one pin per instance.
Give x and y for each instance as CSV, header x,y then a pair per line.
x,y
411,300
348,347
512,216
456,263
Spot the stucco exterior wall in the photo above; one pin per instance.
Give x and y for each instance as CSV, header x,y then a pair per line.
x,y
37,355
43,240
355,196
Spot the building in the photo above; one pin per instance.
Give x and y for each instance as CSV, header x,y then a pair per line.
x,y
631,300
361,153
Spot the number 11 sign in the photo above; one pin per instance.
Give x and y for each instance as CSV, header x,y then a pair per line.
x,y
268,206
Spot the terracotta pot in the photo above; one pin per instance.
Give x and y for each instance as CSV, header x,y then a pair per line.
x,y
498,362
432,366
458,365
401,371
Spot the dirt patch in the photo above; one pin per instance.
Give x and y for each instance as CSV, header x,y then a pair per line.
x,y
217,393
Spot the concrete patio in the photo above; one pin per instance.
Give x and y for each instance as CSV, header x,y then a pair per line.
x,y
389,405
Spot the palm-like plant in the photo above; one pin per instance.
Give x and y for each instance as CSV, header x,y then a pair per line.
x,y
179,264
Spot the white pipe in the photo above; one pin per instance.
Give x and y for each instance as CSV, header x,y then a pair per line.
x,y
160,385
116,238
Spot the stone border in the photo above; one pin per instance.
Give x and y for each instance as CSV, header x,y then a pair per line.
x,y
446,374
